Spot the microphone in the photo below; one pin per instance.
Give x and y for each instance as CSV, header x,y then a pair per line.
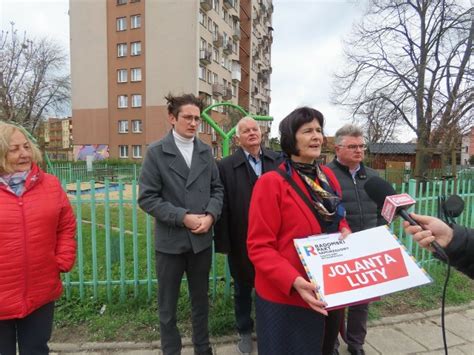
x,y
453,206
385,196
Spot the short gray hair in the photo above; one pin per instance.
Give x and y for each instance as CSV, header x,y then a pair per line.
x,y
244,119
350,130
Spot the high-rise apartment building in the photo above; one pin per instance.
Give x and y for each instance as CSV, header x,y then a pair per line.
x,y
126,55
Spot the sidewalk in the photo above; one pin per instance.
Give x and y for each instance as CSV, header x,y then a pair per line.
x,y
417,333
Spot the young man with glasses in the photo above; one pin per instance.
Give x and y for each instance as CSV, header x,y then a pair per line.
x,y
361,213
180,187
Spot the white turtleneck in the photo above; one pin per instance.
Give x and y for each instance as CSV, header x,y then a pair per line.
x,y
185,146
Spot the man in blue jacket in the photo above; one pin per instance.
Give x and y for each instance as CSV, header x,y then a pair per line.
x,y
180,187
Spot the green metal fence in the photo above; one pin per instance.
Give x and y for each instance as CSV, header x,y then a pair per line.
x,y
115,238
99,171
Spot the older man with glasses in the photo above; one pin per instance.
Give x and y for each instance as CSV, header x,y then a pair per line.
x,y
361,213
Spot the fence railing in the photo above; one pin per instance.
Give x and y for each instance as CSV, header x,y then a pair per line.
x,y
71,172
115,238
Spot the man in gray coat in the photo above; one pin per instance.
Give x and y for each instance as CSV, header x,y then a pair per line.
x,y
361,213
180,187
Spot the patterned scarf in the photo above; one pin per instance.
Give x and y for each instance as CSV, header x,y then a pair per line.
x,y
325,200
15,181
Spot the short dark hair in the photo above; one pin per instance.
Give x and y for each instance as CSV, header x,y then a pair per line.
x,y
292,123
175,102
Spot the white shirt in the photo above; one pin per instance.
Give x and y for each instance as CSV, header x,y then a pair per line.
x,y
185,146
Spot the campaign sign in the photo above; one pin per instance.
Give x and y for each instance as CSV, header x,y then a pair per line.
x,y
365,265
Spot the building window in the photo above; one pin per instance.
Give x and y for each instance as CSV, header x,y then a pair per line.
x,y
134,0
136,74
121,75
202,73
216,6
121,23
121,2
122,101
123,126
136,100
201,127
216,78
121,49
136,126
215,55
135,21
137,151
135,48
123,151
202,18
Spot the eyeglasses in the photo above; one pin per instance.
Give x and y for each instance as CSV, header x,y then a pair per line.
x,y
191,118
355,146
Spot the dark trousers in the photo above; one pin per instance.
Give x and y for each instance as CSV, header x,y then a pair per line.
x,y
243,307
357,325
356,329
31,332
331,330
169,270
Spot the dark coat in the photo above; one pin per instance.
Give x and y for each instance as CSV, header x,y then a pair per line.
x,y
361,212
461,250
169,190
230,232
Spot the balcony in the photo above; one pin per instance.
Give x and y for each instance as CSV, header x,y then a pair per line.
x,y
206,5
217,39
236,75
227,94
236,34
205,56
227,48
228,4
218,89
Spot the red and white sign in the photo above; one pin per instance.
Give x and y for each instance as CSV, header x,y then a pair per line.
x,y
363,266
393,203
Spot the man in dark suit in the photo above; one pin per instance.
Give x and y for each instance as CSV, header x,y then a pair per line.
x,y
180,187
238,173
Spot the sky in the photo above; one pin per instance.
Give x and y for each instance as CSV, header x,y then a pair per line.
x,y
306,50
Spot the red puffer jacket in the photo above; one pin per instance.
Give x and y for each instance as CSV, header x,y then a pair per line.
x,y
37,231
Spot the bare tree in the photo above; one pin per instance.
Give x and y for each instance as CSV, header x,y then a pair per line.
x,y
32,82
412,58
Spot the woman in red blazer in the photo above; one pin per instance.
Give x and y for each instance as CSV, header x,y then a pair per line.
x,y
36,244
290,318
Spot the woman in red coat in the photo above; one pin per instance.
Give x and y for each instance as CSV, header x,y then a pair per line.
x,y
36,244
290,318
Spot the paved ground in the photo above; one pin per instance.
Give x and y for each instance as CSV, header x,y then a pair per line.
x,y
417,333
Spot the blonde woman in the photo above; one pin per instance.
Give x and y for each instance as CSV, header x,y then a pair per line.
x,y
36,244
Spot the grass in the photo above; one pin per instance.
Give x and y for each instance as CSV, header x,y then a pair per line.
x,y
137,320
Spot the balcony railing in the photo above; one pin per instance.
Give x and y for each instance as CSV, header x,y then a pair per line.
x,y
206,5
236,34
218,89
205,56
217,39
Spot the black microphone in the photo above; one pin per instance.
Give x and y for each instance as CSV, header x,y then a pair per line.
x,y
378,190
453,206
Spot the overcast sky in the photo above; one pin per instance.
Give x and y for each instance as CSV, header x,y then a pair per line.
x,y
307,47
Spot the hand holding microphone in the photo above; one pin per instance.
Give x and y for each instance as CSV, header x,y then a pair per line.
x,y
429,230
386,198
